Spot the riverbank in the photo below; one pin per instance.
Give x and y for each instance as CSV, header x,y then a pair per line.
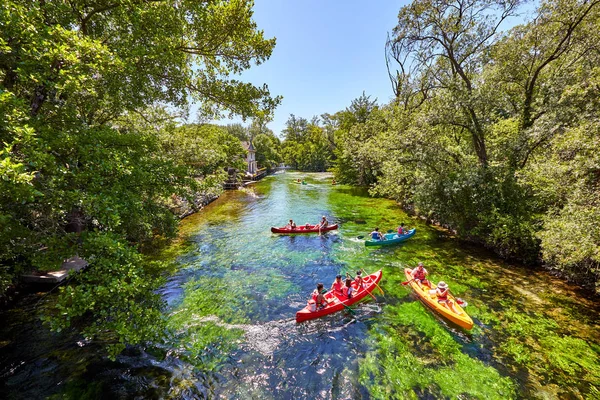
x,y
179,206
586,283
235,287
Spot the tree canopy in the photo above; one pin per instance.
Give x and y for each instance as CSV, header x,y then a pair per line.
x,y
490,132
91,151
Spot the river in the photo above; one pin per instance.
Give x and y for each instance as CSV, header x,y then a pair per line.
x,y
231,303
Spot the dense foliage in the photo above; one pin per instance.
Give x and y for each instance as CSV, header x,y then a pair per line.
x,y
90,157
493,133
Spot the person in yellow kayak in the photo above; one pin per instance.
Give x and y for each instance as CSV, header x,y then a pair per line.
x,y
376,235
419,275
337,286
442,292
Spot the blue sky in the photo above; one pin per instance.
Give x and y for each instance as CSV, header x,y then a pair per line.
x,y
328,52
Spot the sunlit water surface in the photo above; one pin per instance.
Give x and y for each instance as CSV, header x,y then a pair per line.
x,y
231,307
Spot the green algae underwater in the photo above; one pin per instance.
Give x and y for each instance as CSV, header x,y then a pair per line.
x,y
235,287
534,336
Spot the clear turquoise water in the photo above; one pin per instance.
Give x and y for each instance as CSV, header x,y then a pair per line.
x,y
232,302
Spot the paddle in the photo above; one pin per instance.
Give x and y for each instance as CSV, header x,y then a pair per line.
x,y
360,237
349,309
380,289
407,282
370,294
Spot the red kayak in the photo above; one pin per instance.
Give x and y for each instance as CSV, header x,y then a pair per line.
x,y
304,229
339,303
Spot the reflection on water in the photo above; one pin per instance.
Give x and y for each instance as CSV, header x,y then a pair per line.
x,y
231,315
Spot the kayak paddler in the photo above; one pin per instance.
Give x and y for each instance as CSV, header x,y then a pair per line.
x,y
348,290
376,235
419,275
359,280
401,230
323,223
442,292
318,296
337,286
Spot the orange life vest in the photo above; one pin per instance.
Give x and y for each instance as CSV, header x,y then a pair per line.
x,y
337,287
420,274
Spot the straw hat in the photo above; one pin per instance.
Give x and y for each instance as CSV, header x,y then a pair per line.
x,y
442,285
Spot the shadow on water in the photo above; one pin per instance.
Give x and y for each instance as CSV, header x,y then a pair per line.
x,y
231,310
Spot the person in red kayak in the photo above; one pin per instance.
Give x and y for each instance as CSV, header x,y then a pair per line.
x,y
442,295
348,290
359,281
318,296
323,223
419,275
291,224
337,286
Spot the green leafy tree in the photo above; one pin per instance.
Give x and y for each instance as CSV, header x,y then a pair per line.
x,y
295,129
267,150
83,158
357,156
238,130
443,45
479,122
307,145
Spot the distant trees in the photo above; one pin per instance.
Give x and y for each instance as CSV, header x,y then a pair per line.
x,y
267,150
306,146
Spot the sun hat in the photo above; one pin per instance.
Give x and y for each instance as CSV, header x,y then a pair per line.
x,y
442,285
420,264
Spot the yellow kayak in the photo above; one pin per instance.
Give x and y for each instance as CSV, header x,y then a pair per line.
x,y
458,316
